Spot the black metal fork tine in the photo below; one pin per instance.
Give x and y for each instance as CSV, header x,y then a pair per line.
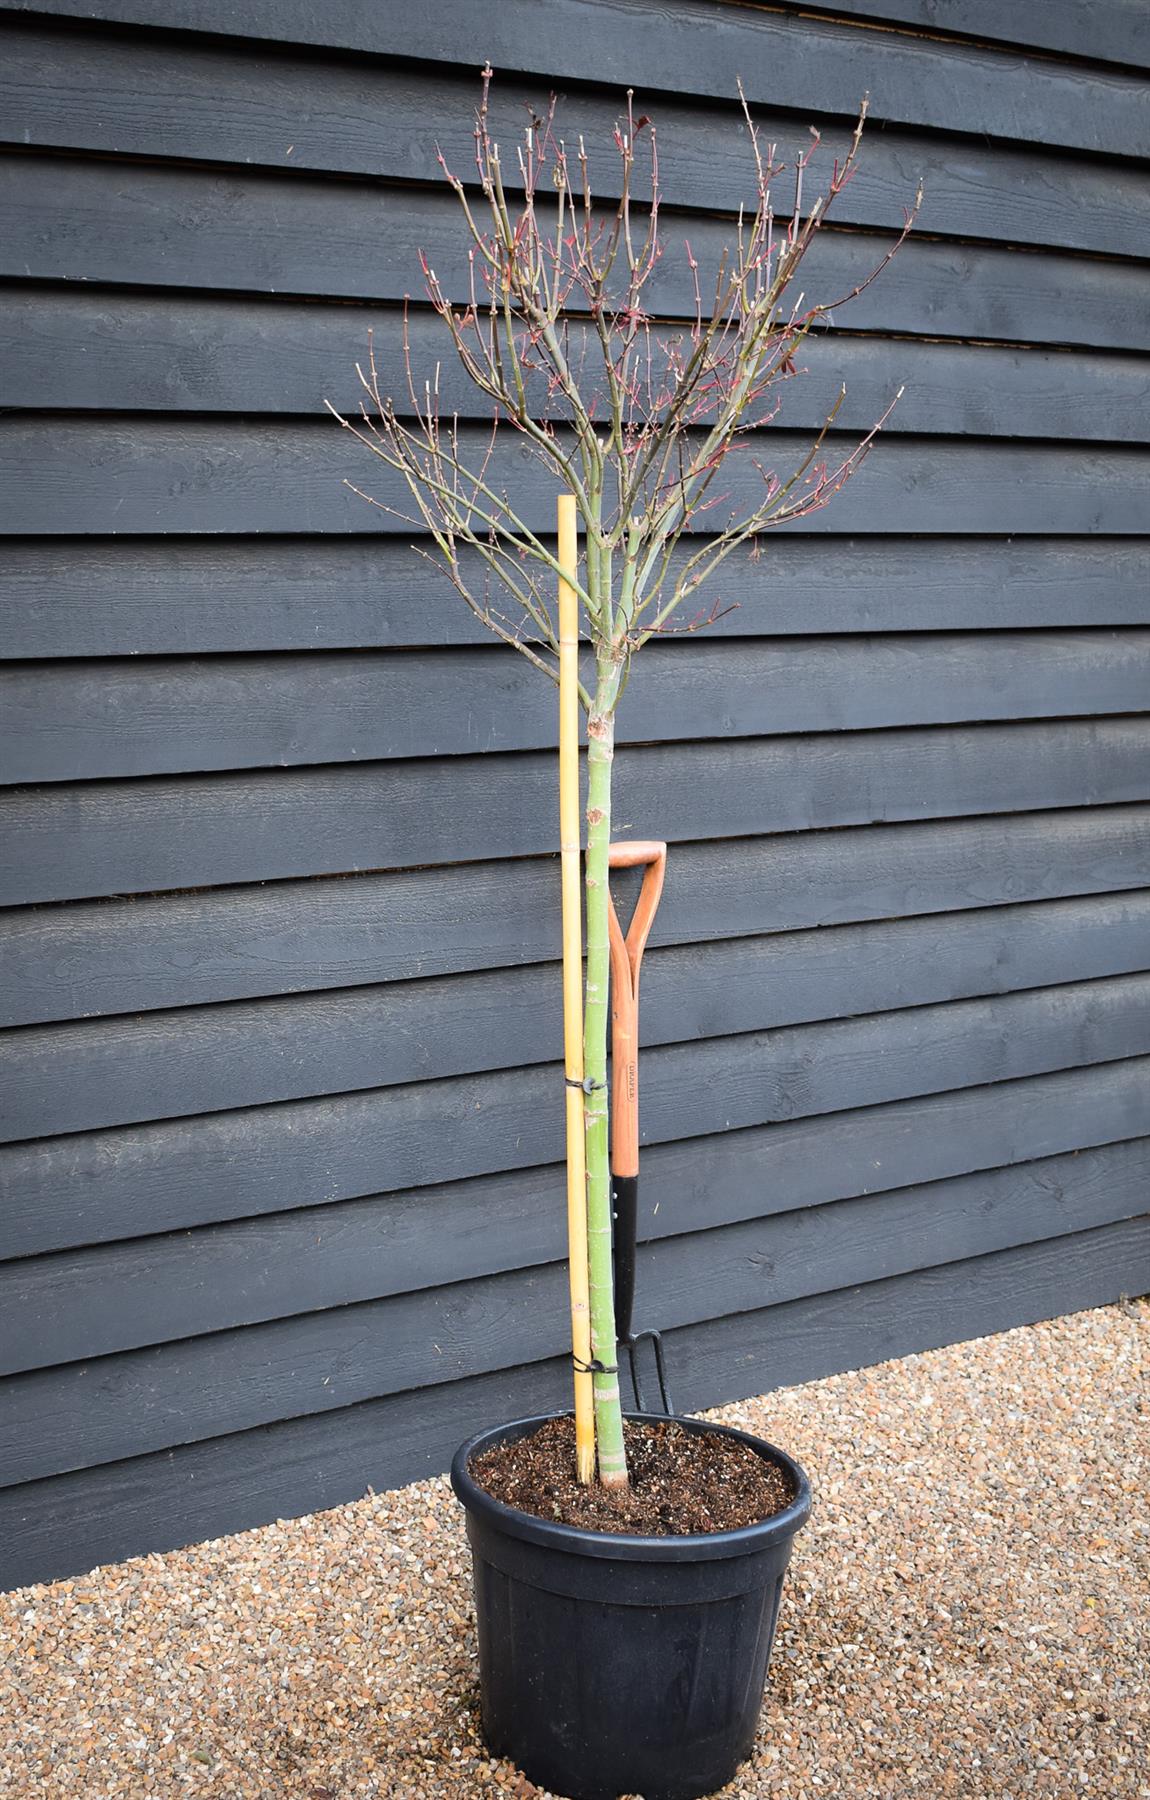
x,y
667,1403
655,1338
636,1384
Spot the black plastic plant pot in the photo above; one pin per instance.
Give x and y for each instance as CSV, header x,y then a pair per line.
x,y
614,1665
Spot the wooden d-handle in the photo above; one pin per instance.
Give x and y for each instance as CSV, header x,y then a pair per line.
x,y
633,853
626,956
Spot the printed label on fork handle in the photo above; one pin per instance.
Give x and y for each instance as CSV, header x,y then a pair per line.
x,y
624,1109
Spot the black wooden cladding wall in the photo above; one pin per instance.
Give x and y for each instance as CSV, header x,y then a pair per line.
x,y
282,1208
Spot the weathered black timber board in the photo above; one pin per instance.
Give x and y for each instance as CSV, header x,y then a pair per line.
x,y
1111,30
118,597
70,1523
82,1077
92,838
125,351
765,1347
120,1296
139,474
233,103
716,1180
136,1402
95,1186
811,64
306,1157
165,226
68,721
235,943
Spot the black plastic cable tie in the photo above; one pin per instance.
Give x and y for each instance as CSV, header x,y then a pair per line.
x,y
587,1085
594,1367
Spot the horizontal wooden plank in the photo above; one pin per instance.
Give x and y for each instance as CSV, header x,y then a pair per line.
x,y
755,1352
232,103
95,1186
78,350
67,1524
91,838
806,63
141,1401
84,1077
703,1275
98,220
1113,31
74,476
90,1302
713,1180
69,721
177,596
91,958
145,1400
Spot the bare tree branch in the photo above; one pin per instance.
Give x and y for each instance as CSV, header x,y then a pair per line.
x,y
644,437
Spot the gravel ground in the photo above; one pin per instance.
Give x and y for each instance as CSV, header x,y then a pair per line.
x,y
967,1613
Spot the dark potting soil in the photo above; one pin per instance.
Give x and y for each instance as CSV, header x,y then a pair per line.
x,y
680,1481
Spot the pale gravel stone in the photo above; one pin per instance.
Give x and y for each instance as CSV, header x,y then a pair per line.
x,y
967,1613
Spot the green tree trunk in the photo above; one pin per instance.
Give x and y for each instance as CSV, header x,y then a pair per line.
x,y
604,1349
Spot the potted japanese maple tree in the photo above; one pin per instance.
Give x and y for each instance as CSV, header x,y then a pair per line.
x,y
623,1642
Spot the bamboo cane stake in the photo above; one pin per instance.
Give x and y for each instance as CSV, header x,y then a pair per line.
x,y
573,991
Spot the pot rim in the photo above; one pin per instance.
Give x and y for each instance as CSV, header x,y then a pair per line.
x,y
709,1546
